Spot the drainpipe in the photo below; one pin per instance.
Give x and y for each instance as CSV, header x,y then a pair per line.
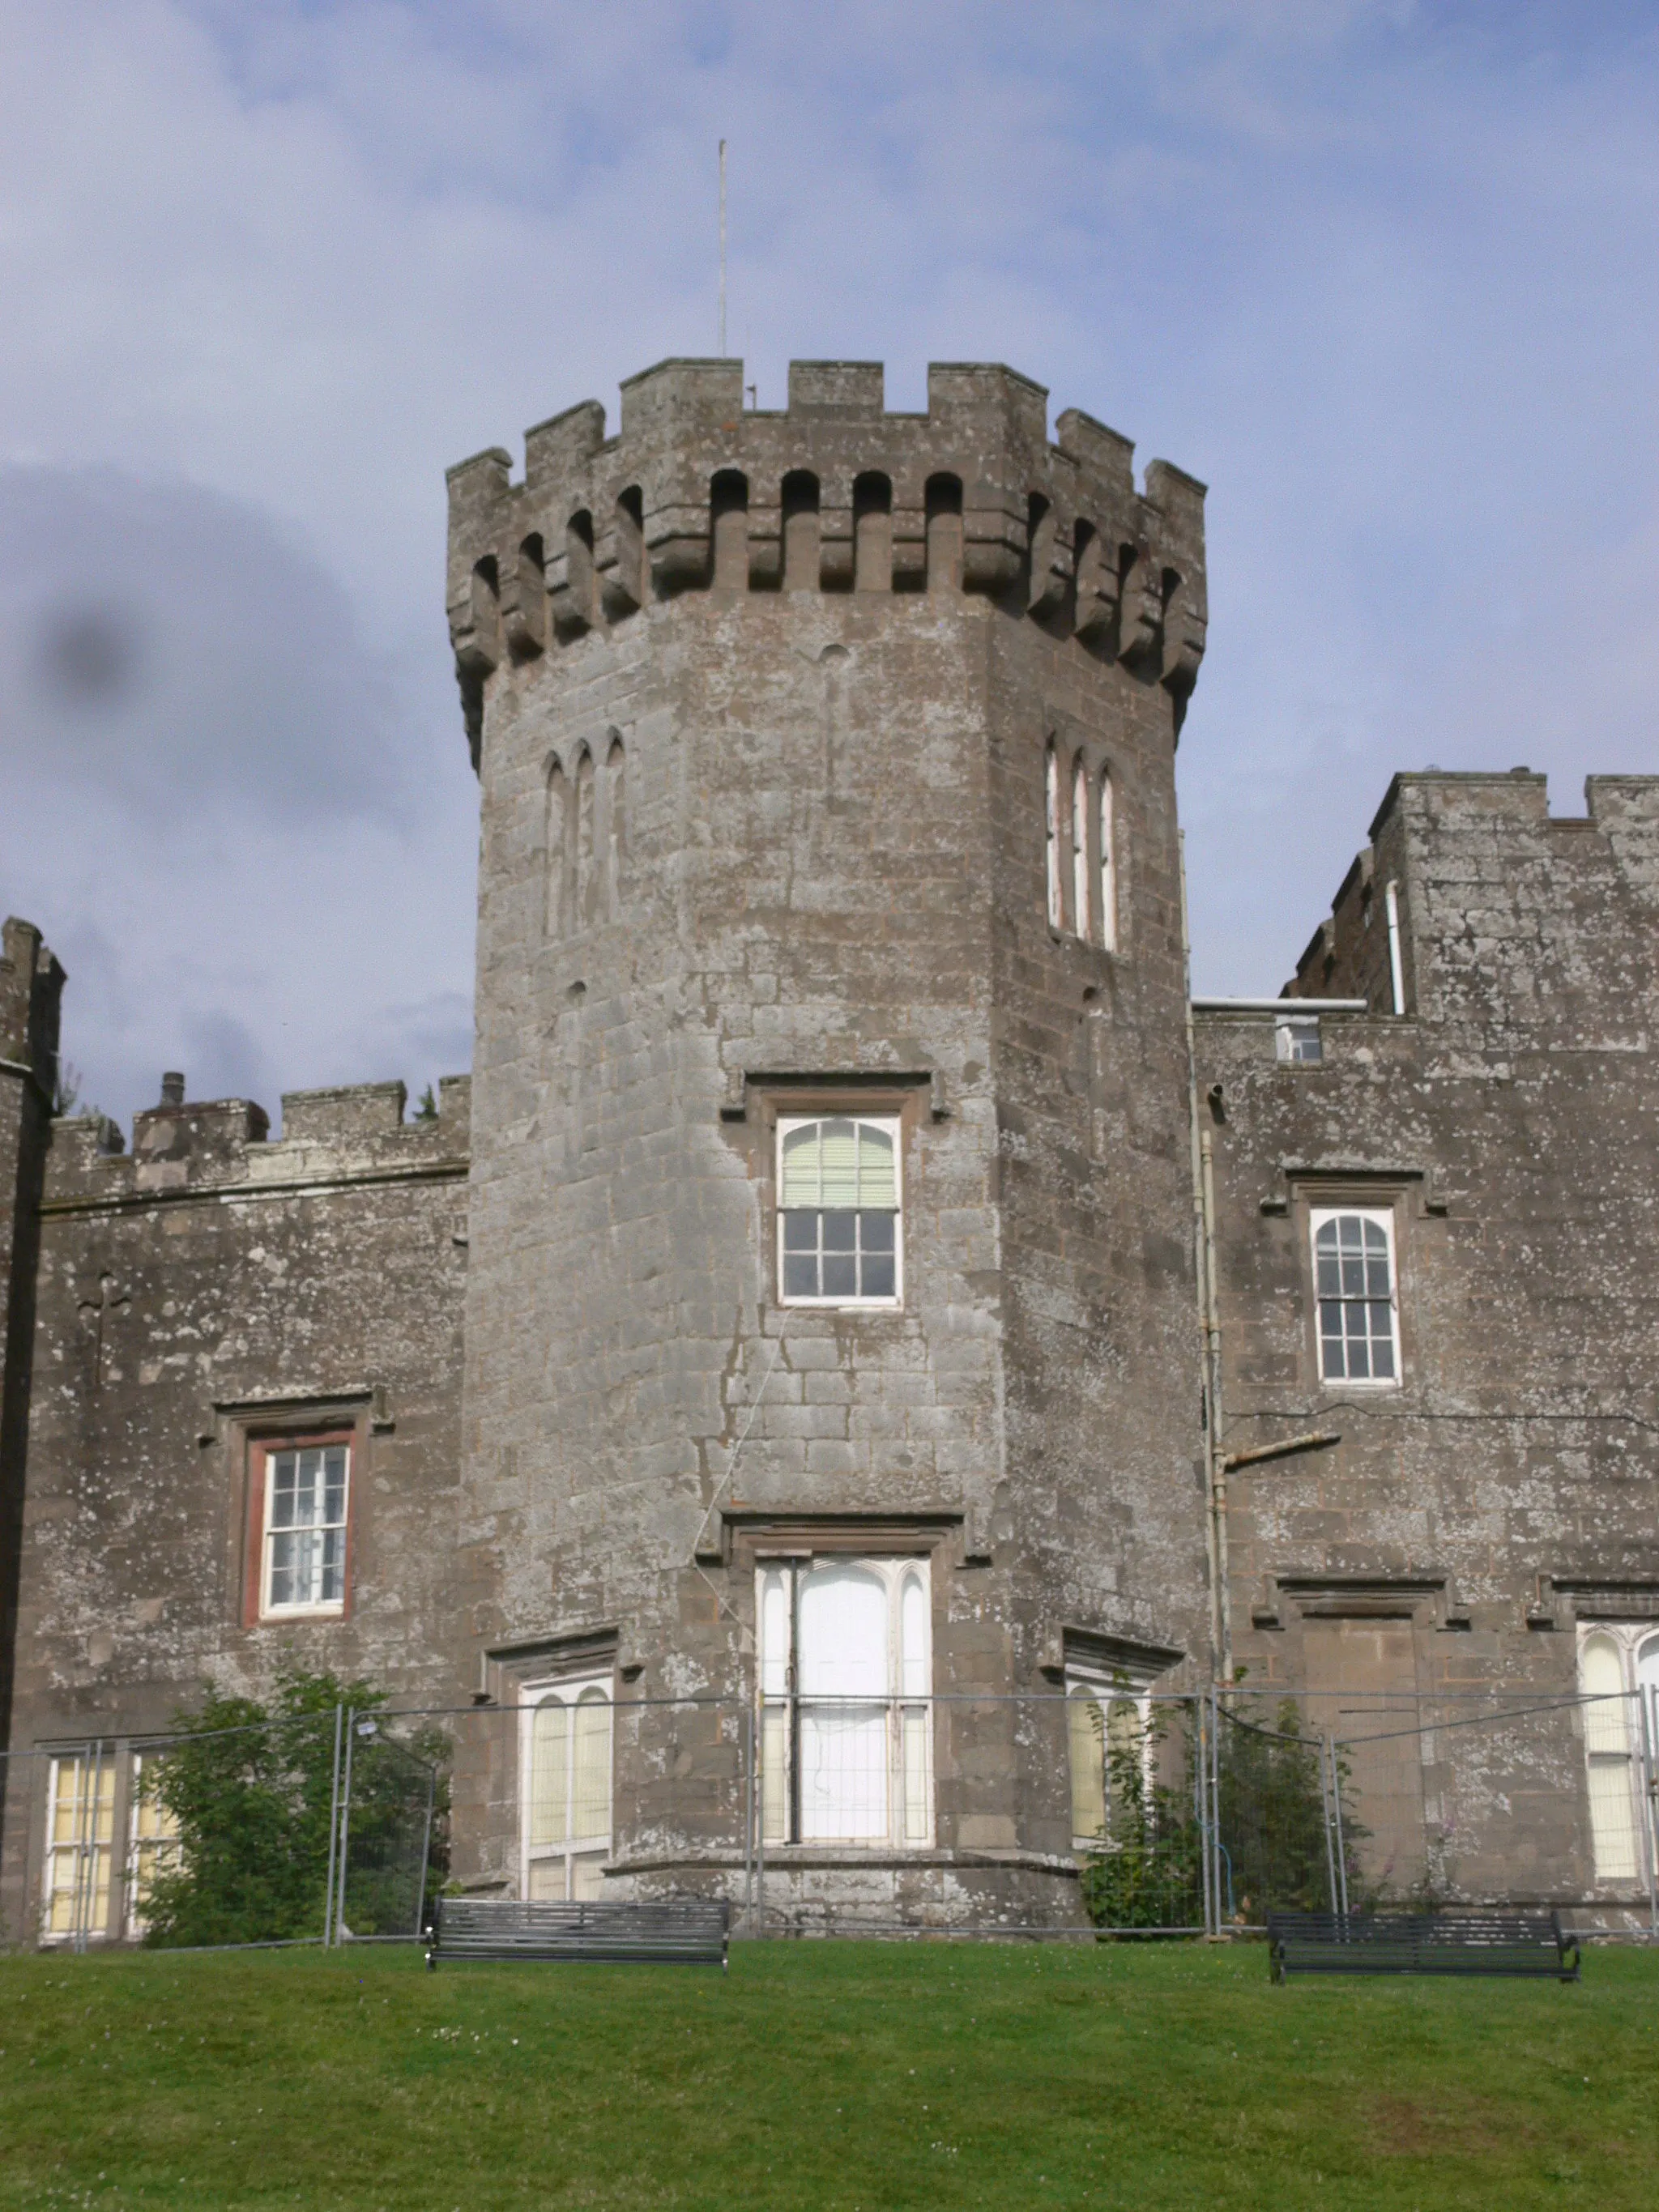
x,y
1217,1448
1219,1638
1396,966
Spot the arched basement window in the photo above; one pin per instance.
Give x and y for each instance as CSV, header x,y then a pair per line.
x,y
566,1750
1608,1758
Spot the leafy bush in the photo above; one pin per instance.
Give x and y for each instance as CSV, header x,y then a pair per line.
x,y
1270,1807
248,1789
1150,1874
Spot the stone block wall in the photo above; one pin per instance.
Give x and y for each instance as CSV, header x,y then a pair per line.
x,y
761,704
211,1291
1504,1493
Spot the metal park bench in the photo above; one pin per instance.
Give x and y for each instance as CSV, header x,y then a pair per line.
x,y
688,1931
1512,1944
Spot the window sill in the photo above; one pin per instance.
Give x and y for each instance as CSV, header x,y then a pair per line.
x,y
779,1856
842,1305
276,1615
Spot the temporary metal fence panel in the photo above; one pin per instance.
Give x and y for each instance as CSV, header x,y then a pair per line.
x,y
822,1812
1329,1802
385,1798
1094,1808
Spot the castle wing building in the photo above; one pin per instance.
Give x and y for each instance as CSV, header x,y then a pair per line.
x,y
861,1322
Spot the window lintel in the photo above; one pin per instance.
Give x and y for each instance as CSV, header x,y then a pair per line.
x,y
864,1090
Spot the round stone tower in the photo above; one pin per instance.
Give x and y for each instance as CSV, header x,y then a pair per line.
x,y
832,1350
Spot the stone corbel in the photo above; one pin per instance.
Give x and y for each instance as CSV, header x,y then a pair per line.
x,y
1141,622
1098,591
474,627
1050,567
523,607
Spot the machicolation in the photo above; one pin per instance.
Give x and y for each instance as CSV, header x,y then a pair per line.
x,y
699,493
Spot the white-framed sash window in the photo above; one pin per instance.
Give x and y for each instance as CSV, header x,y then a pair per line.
x,y
846,1665
75,1903
1618,1681
153,1841
1354,1288
302,1567
565,1758
839,1210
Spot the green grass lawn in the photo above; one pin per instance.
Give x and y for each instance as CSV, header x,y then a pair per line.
x,y
849,2075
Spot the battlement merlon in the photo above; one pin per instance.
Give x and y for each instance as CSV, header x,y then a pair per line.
x,y
349,1134
31,993
696,492
1444,836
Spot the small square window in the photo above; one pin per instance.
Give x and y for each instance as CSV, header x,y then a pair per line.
x,y
1296,1041
79,1847
838,1210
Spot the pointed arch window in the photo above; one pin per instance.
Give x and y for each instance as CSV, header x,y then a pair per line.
x,y
1107,865
615,826
1081,901
556,853
1080,847
1608,1756
1051,794
586,842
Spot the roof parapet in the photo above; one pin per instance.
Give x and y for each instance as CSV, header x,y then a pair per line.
x,y
976,497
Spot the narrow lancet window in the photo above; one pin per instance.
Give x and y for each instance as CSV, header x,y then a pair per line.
x,y
555,851
1056,911
1108,866
1080,849
616,827
584,901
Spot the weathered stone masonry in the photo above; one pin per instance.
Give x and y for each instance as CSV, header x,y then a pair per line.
x,y
1472,1521
821,653
826,764
210,1291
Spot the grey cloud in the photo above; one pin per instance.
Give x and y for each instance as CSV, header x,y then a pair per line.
x,y
169,645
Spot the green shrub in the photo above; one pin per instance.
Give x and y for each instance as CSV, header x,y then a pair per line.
x,y
248,1788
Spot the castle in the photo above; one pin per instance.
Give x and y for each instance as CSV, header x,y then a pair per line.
x,y
857,1287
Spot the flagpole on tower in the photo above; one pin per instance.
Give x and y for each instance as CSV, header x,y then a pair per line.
x,y
722,249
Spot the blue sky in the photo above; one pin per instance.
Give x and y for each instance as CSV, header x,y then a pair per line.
x,y
1383,276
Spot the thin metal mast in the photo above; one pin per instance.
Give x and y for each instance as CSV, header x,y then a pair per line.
x,y
722,249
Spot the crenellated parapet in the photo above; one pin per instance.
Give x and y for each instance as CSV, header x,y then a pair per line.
x,y
349,1134
697,493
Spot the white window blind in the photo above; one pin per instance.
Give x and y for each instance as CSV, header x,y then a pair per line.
x,y
838,1210
566,1752
846,1682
